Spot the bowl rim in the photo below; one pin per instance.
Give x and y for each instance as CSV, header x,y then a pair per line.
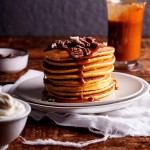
x,y
26,53
25,114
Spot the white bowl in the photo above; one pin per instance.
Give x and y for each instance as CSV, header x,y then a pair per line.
x,y
14,64
11,128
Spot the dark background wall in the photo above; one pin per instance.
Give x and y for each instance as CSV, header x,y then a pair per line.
x,y
58,18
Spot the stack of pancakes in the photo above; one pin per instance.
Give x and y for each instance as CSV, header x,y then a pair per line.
x,y
78,70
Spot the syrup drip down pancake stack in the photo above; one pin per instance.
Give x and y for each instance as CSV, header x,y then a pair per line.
x,y
78,70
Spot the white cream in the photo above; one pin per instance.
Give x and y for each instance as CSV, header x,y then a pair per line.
x,y
9,107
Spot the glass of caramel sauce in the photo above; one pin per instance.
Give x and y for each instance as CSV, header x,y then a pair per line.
x,y
125,31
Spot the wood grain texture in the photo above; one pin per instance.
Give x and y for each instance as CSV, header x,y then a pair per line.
x,y
45,129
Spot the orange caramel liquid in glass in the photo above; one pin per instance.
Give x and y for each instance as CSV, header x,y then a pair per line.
x,y
125,29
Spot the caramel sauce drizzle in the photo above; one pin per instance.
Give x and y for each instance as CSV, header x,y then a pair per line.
x,y
80,64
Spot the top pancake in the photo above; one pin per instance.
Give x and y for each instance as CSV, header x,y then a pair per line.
x,y
63,55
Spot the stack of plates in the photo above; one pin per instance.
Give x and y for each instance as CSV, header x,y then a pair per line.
x,y
130,90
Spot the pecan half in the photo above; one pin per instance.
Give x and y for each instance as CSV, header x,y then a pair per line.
x,y
76,53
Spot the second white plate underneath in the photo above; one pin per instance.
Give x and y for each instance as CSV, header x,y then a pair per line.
x,y
95,108
129,86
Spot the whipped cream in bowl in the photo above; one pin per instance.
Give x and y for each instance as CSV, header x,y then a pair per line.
x,y
9,107
13,117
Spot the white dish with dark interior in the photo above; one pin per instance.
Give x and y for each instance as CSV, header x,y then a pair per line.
x,y
13,60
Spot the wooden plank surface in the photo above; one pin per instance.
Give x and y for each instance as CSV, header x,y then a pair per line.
x,y
45,129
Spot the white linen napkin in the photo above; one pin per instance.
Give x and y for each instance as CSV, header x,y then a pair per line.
x,y
133,120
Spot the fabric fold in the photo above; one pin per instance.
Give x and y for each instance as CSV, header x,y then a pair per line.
x,y
133,120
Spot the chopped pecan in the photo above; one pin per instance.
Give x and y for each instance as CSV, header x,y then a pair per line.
x,y
67,42
83,40
89,39
59,43
10,55
76,46
77,41
90,99
64,46
86,51
72,44
53,46
79,46
76,53
94,45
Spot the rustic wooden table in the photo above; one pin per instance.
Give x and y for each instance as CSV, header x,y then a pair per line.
x,y
45,129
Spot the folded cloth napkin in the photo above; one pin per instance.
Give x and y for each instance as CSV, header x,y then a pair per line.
x,y
133,120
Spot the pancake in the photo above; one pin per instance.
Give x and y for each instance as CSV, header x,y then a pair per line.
x,y
87,86
62,55
65,97
62,67
92,73
78,70
74,83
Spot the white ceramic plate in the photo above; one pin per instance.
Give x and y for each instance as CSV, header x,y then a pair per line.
x,y
93,109
129,87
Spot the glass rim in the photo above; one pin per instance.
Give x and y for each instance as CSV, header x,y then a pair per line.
x,y
125,1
